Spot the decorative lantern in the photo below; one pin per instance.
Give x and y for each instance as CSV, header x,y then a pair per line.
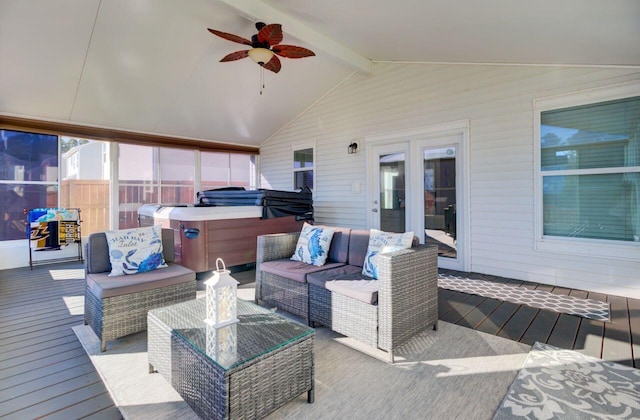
x,y
222,304
222,344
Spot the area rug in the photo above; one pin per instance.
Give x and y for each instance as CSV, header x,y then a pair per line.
x,y
564,384
586,308
454,372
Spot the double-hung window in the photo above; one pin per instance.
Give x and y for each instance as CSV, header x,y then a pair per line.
x,y
303,165
589,175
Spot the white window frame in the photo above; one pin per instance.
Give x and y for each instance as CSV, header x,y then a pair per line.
x,y
294,170
601,248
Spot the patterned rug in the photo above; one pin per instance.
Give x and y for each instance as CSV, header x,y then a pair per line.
x,y
564,384
586,308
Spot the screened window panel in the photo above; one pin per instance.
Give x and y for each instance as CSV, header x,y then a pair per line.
x,y
15,198
136,164
177,165
138,182
177,171
28,156
240,168
214,170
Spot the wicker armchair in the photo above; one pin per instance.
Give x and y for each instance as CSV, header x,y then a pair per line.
x,y
118,306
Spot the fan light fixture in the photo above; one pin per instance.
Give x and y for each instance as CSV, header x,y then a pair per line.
x,y
260,55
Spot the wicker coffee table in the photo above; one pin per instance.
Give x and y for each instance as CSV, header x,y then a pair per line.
x,y
246,370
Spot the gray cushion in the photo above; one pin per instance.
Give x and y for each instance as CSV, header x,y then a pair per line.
x,y
363,290
339,249
97,251
346,272
358,244
103,286
294,270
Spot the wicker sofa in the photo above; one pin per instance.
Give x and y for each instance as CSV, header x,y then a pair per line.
x,y
405,301
118,306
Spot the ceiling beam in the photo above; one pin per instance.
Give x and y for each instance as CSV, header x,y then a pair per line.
x,y
258,11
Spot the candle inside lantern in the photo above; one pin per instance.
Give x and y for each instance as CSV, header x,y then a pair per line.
x,y
221,295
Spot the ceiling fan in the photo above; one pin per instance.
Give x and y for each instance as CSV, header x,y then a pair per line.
x,y
265,45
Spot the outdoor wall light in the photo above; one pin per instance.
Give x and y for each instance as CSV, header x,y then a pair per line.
x,y
353,148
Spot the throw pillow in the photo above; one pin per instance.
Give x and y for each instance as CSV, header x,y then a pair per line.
x,y
136,250
313,245
382,242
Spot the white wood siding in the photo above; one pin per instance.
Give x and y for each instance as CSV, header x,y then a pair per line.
x,y
498,102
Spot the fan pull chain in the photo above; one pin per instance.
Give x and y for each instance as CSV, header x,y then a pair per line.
x,y
261,79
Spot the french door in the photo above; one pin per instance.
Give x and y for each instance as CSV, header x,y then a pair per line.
x,y
389,206
417,183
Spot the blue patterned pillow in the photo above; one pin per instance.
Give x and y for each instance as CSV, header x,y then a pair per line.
x,y
136,250
313,245
381,242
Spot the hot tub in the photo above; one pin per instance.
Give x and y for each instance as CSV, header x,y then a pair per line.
x,y
203,234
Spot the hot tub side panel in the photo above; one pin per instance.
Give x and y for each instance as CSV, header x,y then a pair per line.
x,y
233,240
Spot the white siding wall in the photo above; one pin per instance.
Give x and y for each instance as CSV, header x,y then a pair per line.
x,y
498,102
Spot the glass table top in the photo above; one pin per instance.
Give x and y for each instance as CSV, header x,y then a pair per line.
x,y
258,332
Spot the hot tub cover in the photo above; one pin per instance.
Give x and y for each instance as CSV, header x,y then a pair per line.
x,y
274,203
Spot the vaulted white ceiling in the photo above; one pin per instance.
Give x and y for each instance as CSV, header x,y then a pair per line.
x,y
151,65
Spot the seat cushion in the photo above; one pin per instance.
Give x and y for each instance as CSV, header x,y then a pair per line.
x,y
104,286
339,250
294,270
363,290
346,272
358,243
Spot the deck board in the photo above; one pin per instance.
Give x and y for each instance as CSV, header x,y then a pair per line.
x,y
617,333
499,317
516,326
460,305
564,332
478,314
540,327
634,325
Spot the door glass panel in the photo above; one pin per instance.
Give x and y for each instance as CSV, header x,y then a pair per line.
x,y
440,223
392,192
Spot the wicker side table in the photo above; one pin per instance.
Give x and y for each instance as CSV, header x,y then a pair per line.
x,y
274,362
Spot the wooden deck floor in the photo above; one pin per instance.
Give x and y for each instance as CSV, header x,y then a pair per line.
x,y
45,373
618,340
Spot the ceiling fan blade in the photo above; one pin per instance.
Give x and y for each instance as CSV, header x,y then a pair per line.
x,y
235,55
230,37
291,51
271,34
274,64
